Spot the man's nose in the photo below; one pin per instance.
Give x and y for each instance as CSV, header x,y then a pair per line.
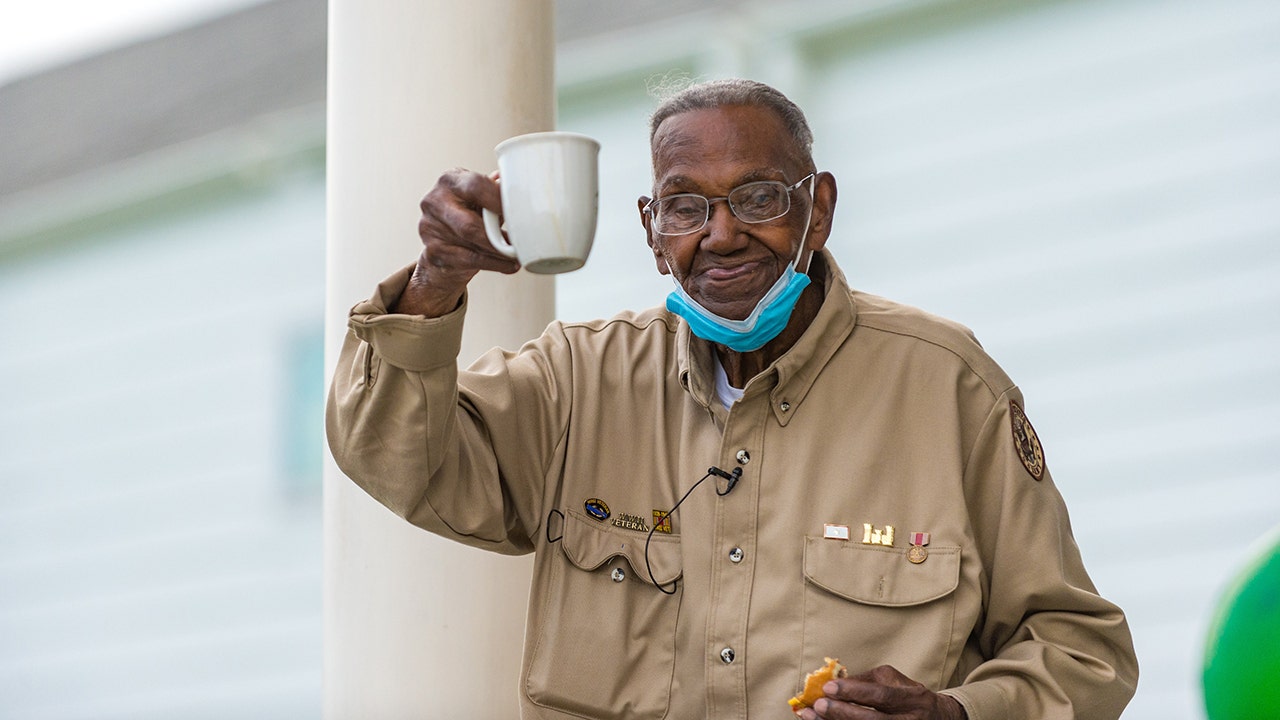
x,y
722,225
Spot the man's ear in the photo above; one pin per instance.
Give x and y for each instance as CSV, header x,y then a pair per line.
x,y
824,210
654,239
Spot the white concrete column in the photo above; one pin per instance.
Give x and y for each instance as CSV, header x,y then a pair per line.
x,y
416,626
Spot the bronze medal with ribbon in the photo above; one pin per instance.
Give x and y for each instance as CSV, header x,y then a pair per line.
x,y
917,554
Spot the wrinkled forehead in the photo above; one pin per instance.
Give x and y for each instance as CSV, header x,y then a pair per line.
x,y
722,141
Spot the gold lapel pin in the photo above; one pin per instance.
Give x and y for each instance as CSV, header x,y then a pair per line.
x,y
872,535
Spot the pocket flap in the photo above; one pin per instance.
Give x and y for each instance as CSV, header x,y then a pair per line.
x,y
588,544
880,575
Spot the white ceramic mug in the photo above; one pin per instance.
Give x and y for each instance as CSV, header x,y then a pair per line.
x,y
550,193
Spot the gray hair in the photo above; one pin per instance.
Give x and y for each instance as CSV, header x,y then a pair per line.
x,y
679,96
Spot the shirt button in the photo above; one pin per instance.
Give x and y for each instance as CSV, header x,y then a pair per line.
x,y
744,457
735,555
619,575
726,655
785,406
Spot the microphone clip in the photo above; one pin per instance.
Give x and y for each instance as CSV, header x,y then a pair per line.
x,y
730,478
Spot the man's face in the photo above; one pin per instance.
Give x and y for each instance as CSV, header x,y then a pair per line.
x,y
728,265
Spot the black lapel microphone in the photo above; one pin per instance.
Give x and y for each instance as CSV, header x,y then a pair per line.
x,y
732,478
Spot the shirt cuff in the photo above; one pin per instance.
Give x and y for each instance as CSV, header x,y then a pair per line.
x,y
409,342
982,700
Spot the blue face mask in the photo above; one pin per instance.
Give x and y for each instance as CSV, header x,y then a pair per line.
x,y
766,320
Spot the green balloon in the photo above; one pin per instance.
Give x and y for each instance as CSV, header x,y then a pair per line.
x,y
1242,655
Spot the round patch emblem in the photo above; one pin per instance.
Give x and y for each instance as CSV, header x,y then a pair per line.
x,y
597,508
1024,439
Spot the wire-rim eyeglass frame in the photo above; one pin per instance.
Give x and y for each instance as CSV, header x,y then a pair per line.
x,y
737,200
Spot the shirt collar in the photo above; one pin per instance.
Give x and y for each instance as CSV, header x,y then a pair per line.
x,y
791,376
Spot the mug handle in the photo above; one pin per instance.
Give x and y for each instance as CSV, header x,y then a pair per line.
x,y
494,231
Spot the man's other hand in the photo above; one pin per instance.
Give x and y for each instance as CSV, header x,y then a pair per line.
x,y
880,694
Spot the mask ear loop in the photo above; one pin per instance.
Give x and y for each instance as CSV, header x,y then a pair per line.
x,y
808,218
648,567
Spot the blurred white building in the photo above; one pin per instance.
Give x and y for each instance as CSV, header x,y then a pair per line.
x,y
1090,185
161,302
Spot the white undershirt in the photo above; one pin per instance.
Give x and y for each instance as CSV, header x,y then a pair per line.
x,y
727,393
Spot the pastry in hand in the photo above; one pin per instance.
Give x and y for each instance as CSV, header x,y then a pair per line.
x,y
813,683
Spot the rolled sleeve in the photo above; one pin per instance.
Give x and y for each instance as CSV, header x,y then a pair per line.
x,y
409,342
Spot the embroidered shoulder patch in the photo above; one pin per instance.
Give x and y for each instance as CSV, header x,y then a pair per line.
x,y
1024,439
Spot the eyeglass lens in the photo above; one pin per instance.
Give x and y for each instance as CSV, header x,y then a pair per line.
x,y
755,202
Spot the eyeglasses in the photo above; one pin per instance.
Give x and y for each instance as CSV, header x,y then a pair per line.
x,y
754,202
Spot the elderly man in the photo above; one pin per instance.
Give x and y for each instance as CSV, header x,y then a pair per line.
x,y
875,492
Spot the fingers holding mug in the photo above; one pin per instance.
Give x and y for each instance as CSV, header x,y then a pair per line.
x,y
452,231
547,202
454,247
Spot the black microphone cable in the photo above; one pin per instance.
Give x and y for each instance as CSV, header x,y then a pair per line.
x,y
732,479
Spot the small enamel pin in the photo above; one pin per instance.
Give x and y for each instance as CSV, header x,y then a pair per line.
x,y
832,531
596,508
917,554
662,521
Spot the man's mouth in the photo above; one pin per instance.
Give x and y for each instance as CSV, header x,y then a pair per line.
x,y
729,273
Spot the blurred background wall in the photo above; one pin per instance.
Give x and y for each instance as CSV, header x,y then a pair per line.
x,y
1090,185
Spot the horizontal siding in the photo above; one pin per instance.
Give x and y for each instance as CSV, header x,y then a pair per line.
x,y
620,273
154,559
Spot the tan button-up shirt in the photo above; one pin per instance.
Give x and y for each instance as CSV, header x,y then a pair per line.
x,y
893,507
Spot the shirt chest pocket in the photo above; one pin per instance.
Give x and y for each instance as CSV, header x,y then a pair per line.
x,y
869,606
605,643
